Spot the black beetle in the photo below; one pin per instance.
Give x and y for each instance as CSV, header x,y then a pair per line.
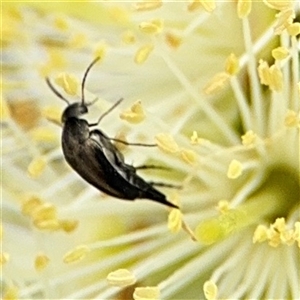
x,y
96,159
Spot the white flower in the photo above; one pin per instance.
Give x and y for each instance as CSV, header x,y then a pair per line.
x,y
216,86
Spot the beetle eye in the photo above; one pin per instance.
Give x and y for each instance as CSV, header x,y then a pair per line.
x,y
83,109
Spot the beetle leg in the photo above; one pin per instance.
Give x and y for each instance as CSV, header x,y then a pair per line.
x,y
105,113
131,144
143,167
167,185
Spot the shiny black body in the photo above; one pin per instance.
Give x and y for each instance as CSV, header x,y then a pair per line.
x,y
96,159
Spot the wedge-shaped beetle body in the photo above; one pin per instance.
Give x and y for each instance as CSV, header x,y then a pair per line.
x,y
95,158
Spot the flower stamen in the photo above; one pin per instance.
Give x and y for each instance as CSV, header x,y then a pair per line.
x,y
121,278
41,262
135,114
143,53
146,293
76,254
210,290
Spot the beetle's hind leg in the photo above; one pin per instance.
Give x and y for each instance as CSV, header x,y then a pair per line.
x,y
145,167
167,185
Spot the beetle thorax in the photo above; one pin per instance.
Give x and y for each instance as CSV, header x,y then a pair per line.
x,y
75,131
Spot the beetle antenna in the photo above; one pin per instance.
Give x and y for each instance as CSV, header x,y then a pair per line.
x,y
85,76
52,88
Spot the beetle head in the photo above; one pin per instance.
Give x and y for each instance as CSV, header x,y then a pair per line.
x,y
74,110
77,109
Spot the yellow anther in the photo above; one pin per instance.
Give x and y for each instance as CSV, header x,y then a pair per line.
x,y
280,53
284,20
232,64
173,40
46,211
11,293
279,5
279,225
166,143
4,258
147,5
235,169
76,254
291,119
37,166
128,38
100,50
175,220
189,156
208,5
264,72
68,82
294,29
287,237
271,76
41,261
193,5
44,216
260,234
135,114
121,278
152,27
43,134
195,139
146,293
274,238
48,224
30,204
52,113
223,206
217,83
25,112
210,290
277,234
249,138
143,53
68,225
244,8
60,22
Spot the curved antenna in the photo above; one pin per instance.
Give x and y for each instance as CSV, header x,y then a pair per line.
x,y
85,76
52,88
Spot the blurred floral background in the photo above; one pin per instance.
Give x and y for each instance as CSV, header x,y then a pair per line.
x,y
216,86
